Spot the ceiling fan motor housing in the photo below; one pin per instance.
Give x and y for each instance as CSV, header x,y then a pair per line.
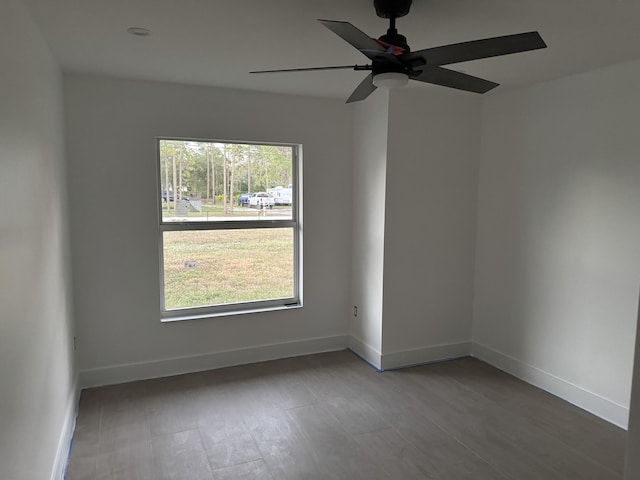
x,y
392,8
392,37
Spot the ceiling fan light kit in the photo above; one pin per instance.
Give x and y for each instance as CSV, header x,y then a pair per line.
x,y
390,80
393,63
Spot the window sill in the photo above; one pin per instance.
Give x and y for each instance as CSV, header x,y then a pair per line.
x,y
229,313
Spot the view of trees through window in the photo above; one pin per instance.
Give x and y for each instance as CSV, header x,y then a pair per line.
x,y
218,181
228,223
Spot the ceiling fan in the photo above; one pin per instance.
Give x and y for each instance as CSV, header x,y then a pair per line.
x,y
393,63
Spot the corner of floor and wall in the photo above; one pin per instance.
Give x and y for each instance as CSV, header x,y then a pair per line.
x,y
524,253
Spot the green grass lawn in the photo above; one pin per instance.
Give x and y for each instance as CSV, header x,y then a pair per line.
x,y
227,266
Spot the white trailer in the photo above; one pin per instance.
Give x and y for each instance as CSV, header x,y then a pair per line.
x,y
281,195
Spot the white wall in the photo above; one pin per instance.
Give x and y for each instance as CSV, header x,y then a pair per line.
x,y
37,391
558,264
112,129
369,197
432,177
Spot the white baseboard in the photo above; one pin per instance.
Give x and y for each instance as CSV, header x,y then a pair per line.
x,y
408,358
589,401
209,361
423,355
366,352
66,435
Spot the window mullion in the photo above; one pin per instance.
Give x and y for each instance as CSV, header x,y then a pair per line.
x,y
226,225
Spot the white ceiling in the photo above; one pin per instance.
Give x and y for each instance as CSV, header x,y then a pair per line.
x,y
217,42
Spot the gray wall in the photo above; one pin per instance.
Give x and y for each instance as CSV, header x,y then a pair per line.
x,y
558,263
37,391
112,128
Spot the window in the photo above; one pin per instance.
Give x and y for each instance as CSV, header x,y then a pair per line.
x,y
229,227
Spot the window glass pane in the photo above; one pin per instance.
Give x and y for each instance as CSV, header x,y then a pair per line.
x,y
216,267
212,181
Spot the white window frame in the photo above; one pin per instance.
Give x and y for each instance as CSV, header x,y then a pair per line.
x,y
295,223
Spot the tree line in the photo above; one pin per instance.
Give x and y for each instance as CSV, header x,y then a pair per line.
x,y
219,172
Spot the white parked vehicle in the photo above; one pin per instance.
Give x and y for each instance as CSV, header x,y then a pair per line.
x,y
261,200
281,195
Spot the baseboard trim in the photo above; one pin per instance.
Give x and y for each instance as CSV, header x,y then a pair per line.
x,y
366,352
424,355
589,401
209,361
66,435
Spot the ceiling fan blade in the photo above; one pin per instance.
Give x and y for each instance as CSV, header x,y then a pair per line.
x,y
340,67
363,90
476,49
452,79
360,40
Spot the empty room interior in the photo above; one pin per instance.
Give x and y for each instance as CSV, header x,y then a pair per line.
x,y
451,267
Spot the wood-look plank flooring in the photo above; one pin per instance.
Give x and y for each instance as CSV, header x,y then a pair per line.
x,y
331,416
